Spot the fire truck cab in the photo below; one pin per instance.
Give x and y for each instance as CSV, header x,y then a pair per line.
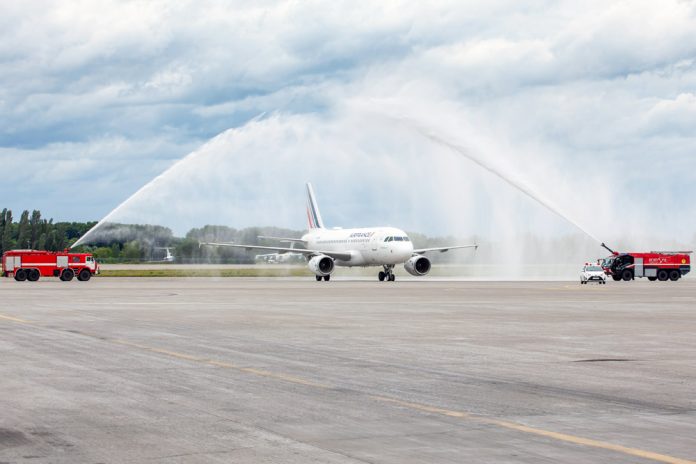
x,y
655,265
31,265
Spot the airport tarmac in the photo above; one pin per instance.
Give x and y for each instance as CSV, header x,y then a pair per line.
x,y
196,370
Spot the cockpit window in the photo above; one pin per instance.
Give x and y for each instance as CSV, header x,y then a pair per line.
x,y
388,239
406,239
399,239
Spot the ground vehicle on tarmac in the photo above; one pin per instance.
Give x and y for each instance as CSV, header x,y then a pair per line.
x,y
31,265
655,265
592,273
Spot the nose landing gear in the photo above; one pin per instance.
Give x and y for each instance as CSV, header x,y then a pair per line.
x,y
387,274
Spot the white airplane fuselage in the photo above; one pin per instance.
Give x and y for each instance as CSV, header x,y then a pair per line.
x,y
370,246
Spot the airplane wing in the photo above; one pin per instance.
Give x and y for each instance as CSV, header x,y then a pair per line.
x,y
283,239
442,249
343,256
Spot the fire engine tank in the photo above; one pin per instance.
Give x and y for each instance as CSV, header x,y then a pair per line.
x,y
655,265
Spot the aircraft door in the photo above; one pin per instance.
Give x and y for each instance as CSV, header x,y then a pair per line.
x,y
384,243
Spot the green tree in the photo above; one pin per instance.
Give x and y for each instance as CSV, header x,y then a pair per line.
x,y
23,232
7,242
51,241
103,253
188,251
131,251
115,250
60,237
35,228
2,228
41,244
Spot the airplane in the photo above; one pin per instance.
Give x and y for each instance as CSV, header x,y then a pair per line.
x,y
279,258
168,257
325,249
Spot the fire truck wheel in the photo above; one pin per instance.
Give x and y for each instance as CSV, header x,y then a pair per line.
x,y
20,275
627,275
674,275
652,279
84,275
67,275
33,275
616,277
662,275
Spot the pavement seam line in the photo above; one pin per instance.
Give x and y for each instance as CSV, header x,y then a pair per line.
x,y
410,405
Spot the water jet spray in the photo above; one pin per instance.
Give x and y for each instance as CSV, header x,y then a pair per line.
x,y
517,184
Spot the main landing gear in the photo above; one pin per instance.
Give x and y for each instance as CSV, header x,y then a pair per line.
x,y
387,274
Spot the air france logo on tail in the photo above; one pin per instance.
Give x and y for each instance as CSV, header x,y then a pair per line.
x,y
313,214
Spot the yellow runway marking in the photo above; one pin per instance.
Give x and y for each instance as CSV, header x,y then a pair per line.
x,y
442,411
540,432
563,437
14,319
225,365
590,442
424,407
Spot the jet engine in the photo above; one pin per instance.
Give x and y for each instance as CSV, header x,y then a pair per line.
x,y
321,265
417,265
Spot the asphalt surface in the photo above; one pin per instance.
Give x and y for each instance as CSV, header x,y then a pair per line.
x,y
297,371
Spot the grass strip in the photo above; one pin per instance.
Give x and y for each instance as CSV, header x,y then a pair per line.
x,y
244,272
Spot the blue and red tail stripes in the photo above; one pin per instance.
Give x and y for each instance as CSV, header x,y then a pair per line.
x,y
313,214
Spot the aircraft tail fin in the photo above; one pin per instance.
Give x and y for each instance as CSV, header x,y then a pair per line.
x,y
313,214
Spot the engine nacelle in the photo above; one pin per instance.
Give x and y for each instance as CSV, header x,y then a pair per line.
x,y
417,265
321,265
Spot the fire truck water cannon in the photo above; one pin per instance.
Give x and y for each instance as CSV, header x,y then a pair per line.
x,y
655,265
31,265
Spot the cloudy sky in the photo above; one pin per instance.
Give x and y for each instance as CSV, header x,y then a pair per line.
x,y
591,105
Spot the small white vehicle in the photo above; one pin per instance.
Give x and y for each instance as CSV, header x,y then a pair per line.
x,y
592,273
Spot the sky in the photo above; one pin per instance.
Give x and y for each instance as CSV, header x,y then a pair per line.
x,y
409,113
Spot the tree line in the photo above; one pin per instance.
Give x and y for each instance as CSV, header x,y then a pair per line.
x,y
131,243
32,231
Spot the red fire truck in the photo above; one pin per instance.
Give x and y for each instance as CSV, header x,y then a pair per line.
x,y
33,264
655,265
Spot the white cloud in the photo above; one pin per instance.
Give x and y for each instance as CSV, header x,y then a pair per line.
x,y
677,115
587,89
